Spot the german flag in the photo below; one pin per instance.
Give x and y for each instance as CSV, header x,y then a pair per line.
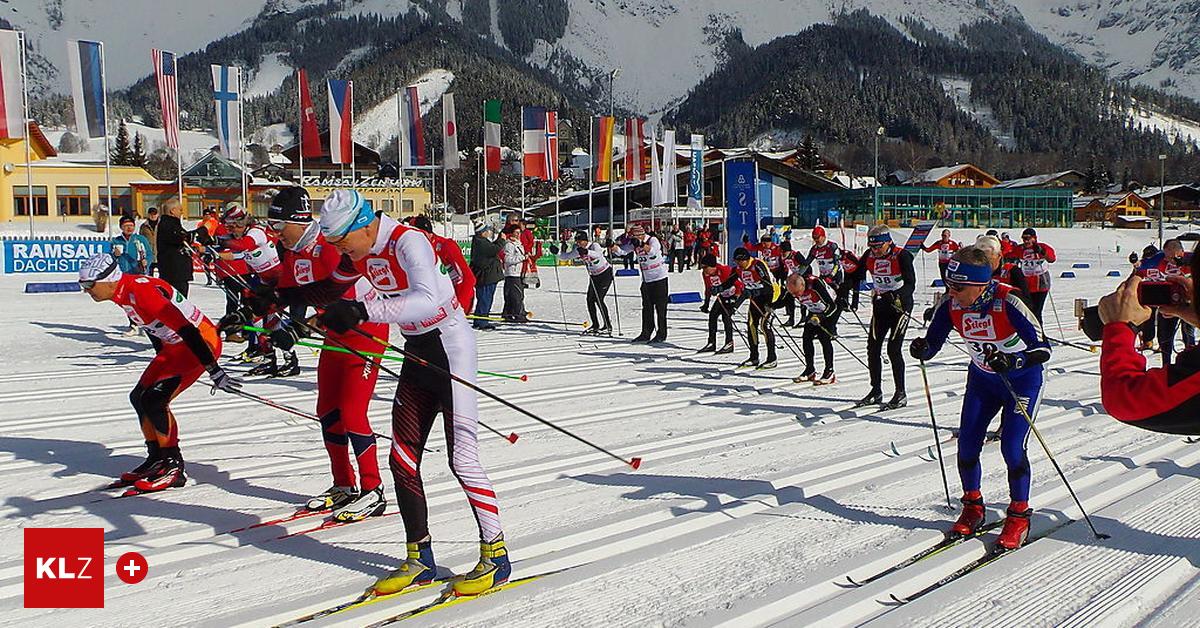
x,y
602,148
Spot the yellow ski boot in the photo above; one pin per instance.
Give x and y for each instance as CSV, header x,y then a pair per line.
x,y
418,569
492,570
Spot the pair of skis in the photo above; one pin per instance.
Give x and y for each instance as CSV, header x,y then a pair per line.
x,y
950,540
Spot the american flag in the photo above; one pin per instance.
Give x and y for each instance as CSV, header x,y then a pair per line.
x,y
168,94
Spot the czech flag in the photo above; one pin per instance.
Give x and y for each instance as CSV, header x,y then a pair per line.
x,y
341,121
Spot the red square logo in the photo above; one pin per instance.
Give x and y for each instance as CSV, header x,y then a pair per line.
x,y
64,568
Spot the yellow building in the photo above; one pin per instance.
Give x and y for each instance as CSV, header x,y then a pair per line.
x,y
62,189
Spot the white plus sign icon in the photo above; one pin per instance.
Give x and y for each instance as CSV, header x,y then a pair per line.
x,y
132,567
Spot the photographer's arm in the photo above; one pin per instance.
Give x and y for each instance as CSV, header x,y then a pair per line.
x,y
1159,400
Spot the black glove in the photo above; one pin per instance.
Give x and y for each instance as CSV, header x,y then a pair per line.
x,y
608,243
343,316
1002,362
285,337
222,380
1133,258
233,322
918,348
1039,249
209,256
928,315
554,249
745,239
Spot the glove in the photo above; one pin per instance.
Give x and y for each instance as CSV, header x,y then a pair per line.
x,y
222,380
1039,249
919,348
814,320
285,337
1002,362
928,315
343,316
209,256
232,322
554,249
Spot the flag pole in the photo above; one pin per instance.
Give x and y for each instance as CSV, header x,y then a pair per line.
x,y
591,165
178,132
400,154
28,135
107,157
446,201
350,105
300,126
242,146
483,210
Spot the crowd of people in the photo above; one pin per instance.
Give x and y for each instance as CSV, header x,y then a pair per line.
x,y
345,274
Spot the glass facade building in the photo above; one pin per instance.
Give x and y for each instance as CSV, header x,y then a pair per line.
x,y
953,207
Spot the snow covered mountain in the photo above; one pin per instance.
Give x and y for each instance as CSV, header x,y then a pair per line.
x,y
664,47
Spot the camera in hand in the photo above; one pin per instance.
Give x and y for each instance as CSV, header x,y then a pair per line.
x,y
1156,293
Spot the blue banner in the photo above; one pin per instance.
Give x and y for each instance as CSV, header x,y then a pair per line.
x,y
741,214
50,256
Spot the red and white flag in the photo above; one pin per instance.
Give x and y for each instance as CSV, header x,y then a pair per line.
x,y
12,89
310,134
635,149
450,159
166,73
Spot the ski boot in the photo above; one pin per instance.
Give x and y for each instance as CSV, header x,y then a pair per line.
x,y
641,338
417,569
290,366
140,471
727,348
873,398
369,504
604,332
826,378
268,368
492,570
807,376
749,363
973,515
769,364
334,498
711,347
1016,526
133,330
659,339
591,331
166,473
898,400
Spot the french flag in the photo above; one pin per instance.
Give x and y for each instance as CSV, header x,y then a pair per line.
x,y
412,141
341,121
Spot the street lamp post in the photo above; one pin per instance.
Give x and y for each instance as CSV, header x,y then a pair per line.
x,y
875,186
466,198
1162,184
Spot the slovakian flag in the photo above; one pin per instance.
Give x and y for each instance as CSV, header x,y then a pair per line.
x,y
450,160
166,74
635,149
412,132
602,148
227,97
533,142
12,86
310,133
86,62
341,121
491,135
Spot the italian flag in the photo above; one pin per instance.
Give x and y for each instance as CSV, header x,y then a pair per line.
x,y
491,135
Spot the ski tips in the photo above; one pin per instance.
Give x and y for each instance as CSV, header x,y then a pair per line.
x,y
512,437
635,463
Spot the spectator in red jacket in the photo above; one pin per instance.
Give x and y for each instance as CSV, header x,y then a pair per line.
x,y
1163,399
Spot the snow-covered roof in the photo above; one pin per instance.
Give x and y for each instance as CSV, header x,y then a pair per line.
x,y
1148,193
1036,180
1133,218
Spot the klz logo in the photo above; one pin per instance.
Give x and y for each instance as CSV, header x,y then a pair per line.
x,y
64,568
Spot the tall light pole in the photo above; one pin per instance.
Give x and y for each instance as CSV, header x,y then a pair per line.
x,y
1162,185
612,78
466,199
875,186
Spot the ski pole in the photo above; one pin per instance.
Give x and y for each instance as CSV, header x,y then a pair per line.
x,y
616,301
937,440
768,321
1038,434
1074,345
511,437
632,462
289,409
1050,295
843,346
313,345
562,309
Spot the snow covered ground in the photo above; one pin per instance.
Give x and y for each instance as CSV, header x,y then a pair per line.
x,y
756,499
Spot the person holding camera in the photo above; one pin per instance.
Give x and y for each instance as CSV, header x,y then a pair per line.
x,y
654,281
1007,351
1159,399
1168,262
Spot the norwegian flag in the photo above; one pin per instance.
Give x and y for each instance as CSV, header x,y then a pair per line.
x,y
166,73
551,160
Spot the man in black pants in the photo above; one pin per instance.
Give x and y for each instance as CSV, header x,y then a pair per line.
x,y
654,280
600,279
894,279
728,299
820,312
760,290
